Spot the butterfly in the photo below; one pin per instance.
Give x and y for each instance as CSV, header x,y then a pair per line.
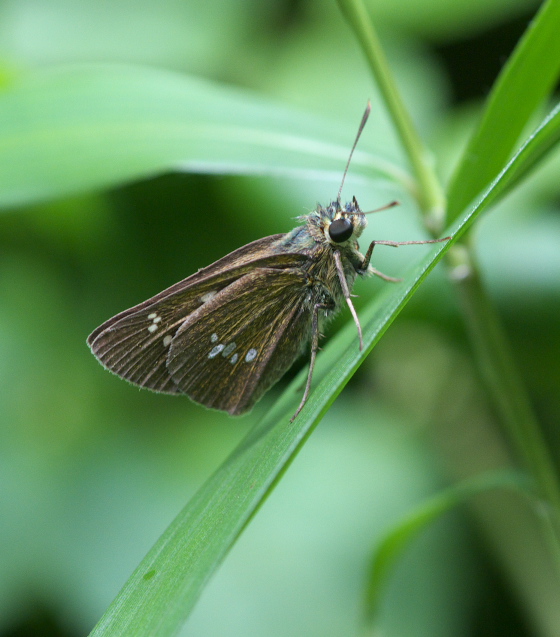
x,y
224,335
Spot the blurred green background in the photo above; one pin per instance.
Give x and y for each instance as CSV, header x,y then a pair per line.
x,y
92,470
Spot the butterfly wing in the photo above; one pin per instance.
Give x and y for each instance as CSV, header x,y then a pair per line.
x,y
229,354
135,343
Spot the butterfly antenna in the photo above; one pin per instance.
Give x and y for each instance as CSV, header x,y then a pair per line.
x,y
360,129
389,205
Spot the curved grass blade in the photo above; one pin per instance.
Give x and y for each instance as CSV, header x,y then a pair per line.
x,y
74,129
526,80
397,539
161,592
534,150
159,595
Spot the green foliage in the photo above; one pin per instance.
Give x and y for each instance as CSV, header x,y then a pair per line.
x,y
239,89
525,82
157,121
397,539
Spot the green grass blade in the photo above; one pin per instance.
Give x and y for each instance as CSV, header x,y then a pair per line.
x,y
80,128
161,592
534,150
526,80
396,540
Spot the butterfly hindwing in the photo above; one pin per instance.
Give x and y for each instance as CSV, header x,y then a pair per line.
x,y
246,338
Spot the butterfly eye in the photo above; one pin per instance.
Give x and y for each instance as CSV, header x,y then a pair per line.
x,y
340,230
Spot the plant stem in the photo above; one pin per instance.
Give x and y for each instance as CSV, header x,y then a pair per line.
x,y
506,390
490,344
430,194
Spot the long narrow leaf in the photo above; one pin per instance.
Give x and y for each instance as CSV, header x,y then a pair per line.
x,y
397,539
533,151
162,591
527,79
80,128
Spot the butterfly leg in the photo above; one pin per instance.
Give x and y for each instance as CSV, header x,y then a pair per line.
x,y
346,292
314,349
367,258
366,267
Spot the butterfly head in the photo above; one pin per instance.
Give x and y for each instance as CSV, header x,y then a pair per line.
x,y
336,223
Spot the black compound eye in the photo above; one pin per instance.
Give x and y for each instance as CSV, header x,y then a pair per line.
x,y
340,230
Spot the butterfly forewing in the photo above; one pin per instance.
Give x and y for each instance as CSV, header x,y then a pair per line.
x,y
244,340
135,343
262,252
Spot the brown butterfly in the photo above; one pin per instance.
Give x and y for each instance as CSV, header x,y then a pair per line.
x,y
226,334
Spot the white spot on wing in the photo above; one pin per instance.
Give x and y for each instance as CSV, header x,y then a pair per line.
x,y
228,349
216,350
251,355
155,320
167,340
213,338
233,359
208,296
